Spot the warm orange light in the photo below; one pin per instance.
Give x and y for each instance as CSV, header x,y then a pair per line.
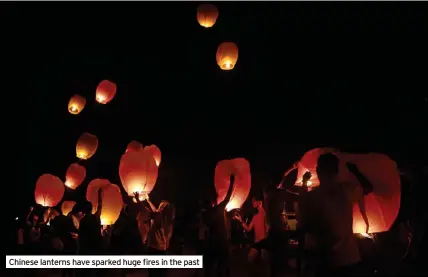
x,y
138,172
76,104
92,191
207,15
105,92
49,190
75,175
67,207
155,152
240,168
134,146
86,146
227,55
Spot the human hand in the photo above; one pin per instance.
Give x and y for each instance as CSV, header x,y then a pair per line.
x,y
352,167
306,177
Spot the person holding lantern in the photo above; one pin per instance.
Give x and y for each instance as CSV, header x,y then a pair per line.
x,y
326,213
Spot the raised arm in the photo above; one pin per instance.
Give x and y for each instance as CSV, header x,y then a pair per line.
x,y
364,182
229,192
100,202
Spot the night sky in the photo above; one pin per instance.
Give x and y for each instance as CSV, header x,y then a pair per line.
x,y
350,75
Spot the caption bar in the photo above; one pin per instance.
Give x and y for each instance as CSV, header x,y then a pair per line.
x,y
104,261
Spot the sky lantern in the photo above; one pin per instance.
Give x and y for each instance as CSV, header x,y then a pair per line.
x,y
67,207
49,190
92,191
227,55
383,204
240,168
86,146
155,152
75,175
112,204
76,104
105,92
207,15
138,172
134,146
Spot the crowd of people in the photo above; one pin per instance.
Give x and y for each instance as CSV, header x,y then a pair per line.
x,y
323,241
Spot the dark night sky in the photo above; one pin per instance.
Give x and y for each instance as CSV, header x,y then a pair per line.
x,y
351,75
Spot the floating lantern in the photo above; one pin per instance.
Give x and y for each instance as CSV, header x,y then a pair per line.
x,y
75,175
155,152
112,204
138,172
227,55
92,191
86,146
134,146
67,207
105,92
49,190
76,104
383,205
207,15
240,168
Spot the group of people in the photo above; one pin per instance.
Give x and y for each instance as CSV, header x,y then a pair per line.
x,y
324,230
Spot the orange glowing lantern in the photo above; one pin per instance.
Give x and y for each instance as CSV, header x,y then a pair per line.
x,y
227,55
207,15
134,146
105,92
86,146
383,205
67,207
49,190
92,191
138,172
76,104
155,152
240,168
75,175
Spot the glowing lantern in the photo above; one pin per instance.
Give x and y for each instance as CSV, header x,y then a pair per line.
x,y
383,205
76,104
75,175
138,172
106,91
207,15
49,190
227,55
67,207
240,168
134,146
92,191
86,146
155,152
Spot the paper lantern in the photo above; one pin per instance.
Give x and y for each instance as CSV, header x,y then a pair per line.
x,y
49,190
112,204
76,104
92,191
134,146
207,15
86,146
155,152
240,168
75,175
138,172
105,92
67,207
383,205
227,55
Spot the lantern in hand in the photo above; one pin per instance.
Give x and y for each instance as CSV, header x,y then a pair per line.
x,y
240,168
75,175
49,190
227,55
138,172
155,152
76,104
105,92
207,15
86,146
67,207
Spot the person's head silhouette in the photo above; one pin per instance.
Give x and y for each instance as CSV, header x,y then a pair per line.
x,y
327,168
